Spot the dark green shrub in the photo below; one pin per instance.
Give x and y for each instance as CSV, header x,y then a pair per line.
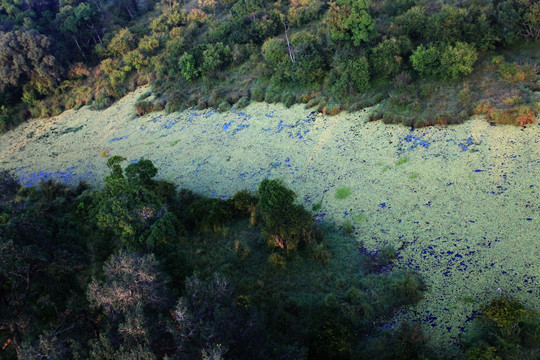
x,y
329,338
457,61
273,94
242,103
141,172
257,94
244,201
426,61
274,52
175,102
211,215
275,197
187,67
288,99
387,58
224,106
286,225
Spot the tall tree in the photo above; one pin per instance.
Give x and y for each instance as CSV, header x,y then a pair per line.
x,y
26,60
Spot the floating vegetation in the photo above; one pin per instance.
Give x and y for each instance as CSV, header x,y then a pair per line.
x,y
343,192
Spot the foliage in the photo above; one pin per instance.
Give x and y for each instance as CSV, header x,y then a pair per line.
x,y
457,61
425,61
130,281
287,225
187,67
349,20
26,62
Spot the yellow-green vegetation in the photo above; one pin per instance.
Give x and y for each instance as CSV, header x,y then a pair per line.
x,y
359,219
402,161
414,175
343,192
509,331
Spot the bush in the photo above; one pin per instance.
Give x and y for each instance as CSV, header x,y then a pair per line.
x,y
287,225
274,52
333,108
257,94
242,103
211,215
288,99
144,107
272,95
224,106
387,59
457,61
425,61
187,67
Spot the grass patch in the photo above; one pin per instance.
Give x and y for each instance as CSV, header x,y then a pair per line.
x,y
360,219
402,161
343,192
413,176
172,143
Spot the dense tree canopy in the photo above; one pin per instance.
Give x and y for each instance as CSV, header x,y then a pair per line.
x,y
296,46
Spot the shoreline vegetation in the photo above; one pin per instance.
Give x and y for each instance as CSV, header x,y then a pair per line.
x,y
424,62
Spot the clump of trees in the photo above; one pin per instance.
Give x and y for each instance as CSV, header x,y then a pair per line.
x,y
59,55
99,274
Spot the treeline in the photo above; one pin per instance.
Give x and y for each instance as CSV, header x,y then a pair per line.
x,y
138,270
416,56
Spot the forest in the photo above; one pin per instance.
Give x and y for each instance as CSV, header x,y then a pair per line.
x,y
139,270
423,62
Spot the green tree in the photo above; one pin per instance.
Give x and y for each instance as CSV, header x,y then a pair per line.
x,y
274,52
349,20
457,61
122,43
412,23
426,61
287,225
387,58
215,57
26,60
80,23
187,67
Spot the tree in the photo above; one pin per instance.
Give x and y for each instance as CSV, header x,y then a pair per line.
x,y
207,321
131,281
215,57
349,20
425,61
287,225
387,58
122,43
75,21
26,60
187,67
457,61
274,52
